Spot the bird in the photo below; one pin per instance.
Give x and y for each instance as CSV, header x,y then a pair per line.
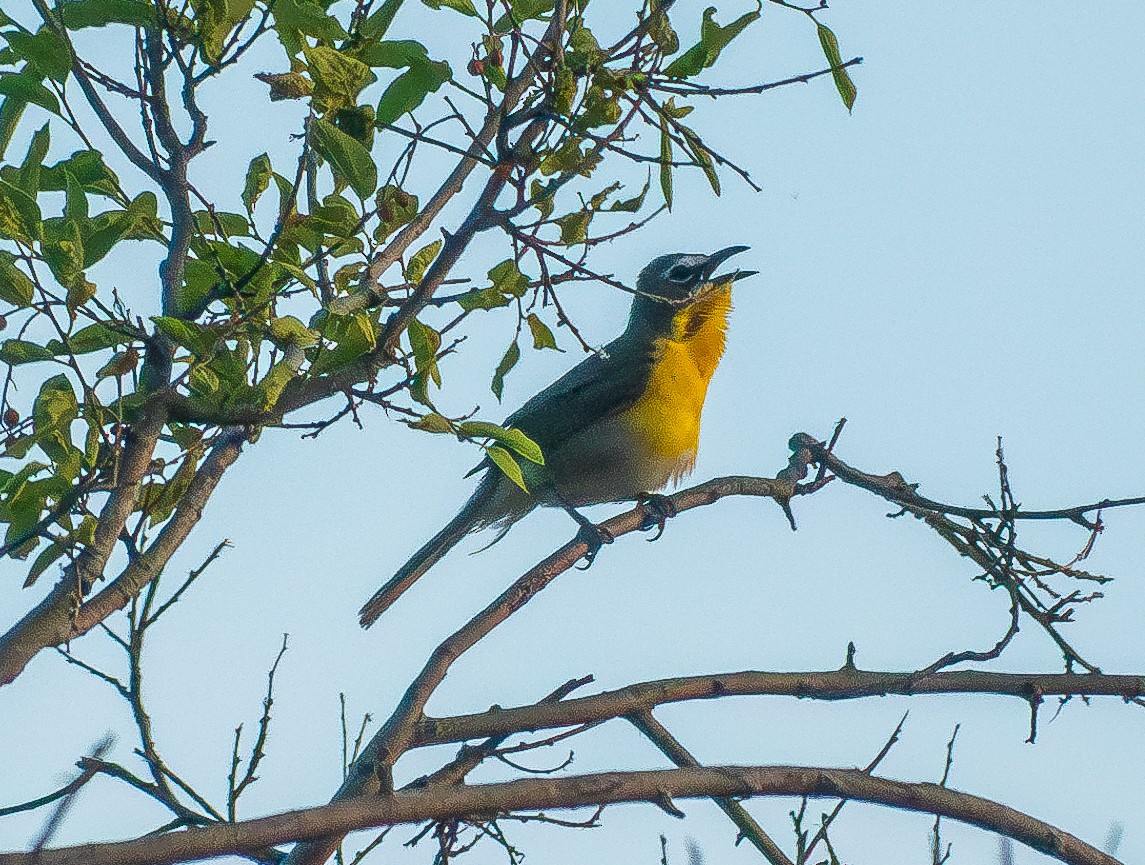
x,y
621,425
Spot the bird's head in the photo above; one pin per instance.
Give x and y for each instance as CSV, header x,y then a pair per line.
x,y
683,278
675,292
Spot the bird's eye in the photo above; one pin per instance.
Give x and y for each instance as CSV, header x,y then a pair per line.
x,y
680,273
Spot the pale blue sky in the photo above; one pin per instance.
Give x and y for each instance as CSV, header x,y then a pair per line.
x,y
961,258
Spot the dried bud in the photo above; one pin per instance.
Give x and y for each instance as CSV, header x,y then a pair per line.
x,y
476,67
11,417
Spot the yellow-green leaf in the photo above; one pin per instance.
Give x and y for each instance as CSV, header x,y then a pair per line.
x,y
508,361
258,175
420,261
348,157
505,462
843,82
431,422
542,334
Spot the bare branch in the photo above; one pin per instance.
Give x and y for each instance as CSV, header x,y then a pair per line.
x,y
531,794
845,684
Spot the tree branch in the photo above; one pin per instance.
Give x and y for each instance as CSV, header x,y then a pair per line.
x,y
671,748
531,794
50,622
371,772
844,684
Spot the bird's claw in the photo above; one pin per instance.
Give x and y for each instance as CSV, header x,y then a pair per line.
x,y
594,537
660,510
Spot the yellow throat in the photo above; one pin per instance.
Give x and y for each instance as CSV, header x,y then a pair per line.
x,y
667,417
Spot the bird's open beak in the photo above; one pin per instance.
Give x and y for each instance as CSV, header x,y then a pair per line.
x,y
718,258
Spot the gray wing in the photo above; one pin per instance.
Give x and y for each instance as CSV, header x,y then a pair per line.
x,y
597,388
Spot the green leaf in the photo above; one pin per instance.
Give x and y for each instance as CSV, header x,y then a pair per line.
x,y
597,200
75,203
521,11
574,226
18,351
30,173
420,261
584,51
631,205
505,462
379,21
11,110
88,169
80,291
45,49
569,158
665,162
120,364
431,422
396,208
393,53
713,40
511,438
843,82
286,85
102,232
353,336
19,214
465,7
267,391
482,298
295,17
406,92
542,198
78,14
289,330
55,407
701,157
425,343
26,87
94,337
44,560
660,29
193,337
16,287
24,509
508,279
348,159
222,224
523,445
216,20
338,78
258,175
542,334
173,491
508,361
564,90
357,122
63,251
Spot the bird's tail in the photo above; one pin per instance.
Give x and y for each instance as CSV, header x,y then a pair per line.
x,y
470,518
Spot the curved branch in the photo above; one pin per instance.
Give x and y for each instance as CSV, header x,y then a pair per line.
x,y
60,616
845,684
371,772
532,794
893,487
49,623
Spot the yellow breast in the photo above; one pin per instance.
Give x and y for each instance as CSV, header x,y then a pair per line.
x,y
666,419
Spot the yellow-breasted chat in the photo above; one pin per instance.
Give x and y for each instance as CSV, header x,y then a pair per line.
x,y
620,425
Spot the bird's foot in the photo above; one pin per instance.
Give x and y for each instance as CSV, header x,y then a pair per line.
x,y
660,510
594,537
